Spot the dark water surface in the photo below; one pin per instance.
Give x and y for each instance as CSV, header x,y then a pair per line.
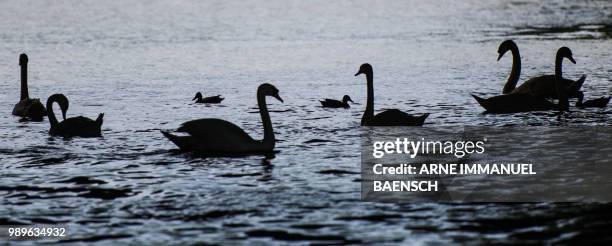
x,y
140,62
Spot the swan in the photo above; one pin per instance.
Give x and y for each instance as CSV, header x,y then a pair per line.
x,y
27,107
220,137
601,102
72,127
519,102
391,117
331,103
540,86
213,99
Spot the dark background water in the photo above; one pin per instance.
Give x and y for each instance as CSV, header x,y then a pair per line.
x,y
140,62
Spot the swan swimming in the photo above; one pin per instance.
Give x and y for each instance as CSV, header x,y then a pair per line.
x,y
220,137
390,117
331,103
214,99
29,108
519,102
72,127
540,86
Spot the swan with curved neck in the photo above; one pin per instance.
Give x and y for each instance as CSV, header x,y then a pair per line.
x,y
331,103
213,99
29,108
540,86
72,127
391,117
519,102
220,137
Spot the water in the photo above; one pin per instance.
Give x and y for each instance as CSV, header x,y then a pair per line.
x,y
140,62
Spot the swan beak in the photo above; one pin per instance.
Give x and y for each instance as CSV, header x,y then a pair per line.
x,y
358,73
500,56
64,114
279,98
351,101
572,59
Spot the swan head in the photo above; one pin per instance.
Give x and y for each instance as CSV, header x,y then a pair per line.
x,y
346,99
504,47
269,90
61,100
197,96
23,59
364,68
565,52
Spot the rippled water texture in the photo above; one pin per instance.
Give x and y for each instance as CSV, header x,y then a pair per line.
x,y
140,63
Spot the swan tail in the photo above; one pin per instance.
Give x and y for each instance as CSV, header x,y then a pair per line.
x,y
480,100
100,119
174,139
577,85
422,118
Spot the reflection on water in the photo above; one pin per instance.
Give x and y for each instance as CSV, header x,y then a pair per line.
x,y
141,62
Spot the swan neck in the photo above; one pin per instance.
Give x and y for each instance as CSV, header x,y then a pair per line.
x,y
265,118
50,114
369,111
515,72
24,82
563,100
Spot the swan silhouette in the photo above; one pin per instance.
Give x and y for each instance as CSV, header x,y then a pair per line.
x,y
540,86
519,102
29,108
72,127
331,103
390,117
220,137
214,99
601,102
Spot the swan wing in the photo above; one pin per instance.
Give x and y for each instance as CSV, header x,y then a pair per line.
x,y
214,129
544,86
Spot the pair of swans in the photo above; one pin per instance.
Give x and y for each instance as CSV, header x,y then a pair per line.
x,y
32,109
28,108
213,99
220,137
531,96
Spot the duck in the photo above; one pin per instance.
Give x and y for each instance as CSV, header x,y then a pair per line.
x,y
540,86
214,99
219,137
390,117
72,127
331,103
523,102
601,102
28,108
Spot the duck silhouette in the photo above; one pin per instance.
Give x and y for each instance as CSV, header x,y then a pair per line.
x,y
540,86
220,137
213,99
520,102
72,127
28,108
331,103
390,117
